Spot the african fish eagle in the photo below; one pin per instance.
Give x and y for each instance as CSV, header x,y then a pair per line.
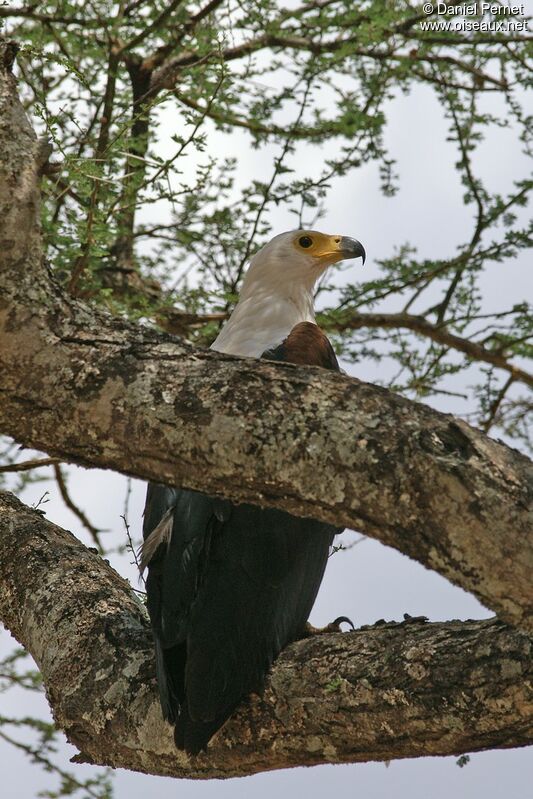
x,y
229,586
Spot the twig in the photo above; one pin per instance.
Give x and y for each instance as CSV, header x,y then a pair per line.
x,y
355,321
278,163
91,529
495,405
342,547
43,499
26,466
130,545
154,26
479,195
38,757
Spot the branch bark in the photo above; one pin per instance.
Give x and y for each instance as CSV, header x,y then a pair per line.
x,y
86,387
383,692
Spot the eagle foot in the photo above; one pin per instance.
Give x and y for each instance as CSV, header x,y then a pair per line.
x,y
332,627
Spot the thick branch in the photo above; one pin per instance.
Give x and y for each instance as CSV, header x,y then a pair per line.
x,y
388,691
84,386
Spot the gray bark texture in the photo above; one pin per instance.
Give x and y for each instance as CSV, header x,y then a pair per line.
x,y
388,691
92,389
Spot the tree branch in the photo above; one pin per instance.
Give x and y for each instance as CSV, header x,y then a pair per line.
x,y
165,75
388,691
97,390
352,320
93,531
27,466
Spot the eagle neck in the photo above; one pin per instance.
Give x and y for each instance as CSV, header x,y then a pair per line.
x,y
262,319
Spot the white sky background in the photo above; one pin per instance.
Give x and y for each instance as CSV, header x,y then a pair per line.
x,y
370,581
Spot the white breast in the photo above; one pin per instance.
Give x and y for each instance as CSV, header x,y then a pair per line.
x,y
261,322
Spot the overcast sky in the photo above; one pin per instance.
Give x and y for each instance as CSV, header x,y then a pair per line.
x,y
370,581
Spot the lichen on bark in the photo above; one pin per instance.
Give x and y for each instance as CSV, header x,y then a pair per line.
x,y
381,692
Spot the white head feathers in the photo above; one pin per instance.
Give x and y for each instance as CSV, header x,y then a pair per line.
x,y
277,291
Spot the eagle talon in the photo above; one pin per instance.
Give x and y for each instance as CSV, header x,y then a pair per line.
x,y
332,627
342,620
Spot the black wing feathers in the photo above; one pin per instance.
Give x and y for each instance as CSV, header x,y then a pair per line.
x,y
231,587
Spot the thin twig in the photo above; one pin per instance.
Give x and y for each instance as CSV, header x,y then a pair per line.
x,y
26,466
38,757
353,320
130,545
495,406
91,529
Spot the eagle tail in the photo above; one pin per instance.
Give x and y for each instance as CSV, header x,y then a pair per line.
x,y
193,736
170,665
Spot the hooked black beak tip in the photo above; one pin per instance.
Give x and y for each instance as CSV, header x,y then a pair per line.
x,y
351,248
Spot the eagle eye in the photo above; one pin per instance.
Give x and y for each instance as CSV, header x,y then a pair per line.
x,y
305,241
